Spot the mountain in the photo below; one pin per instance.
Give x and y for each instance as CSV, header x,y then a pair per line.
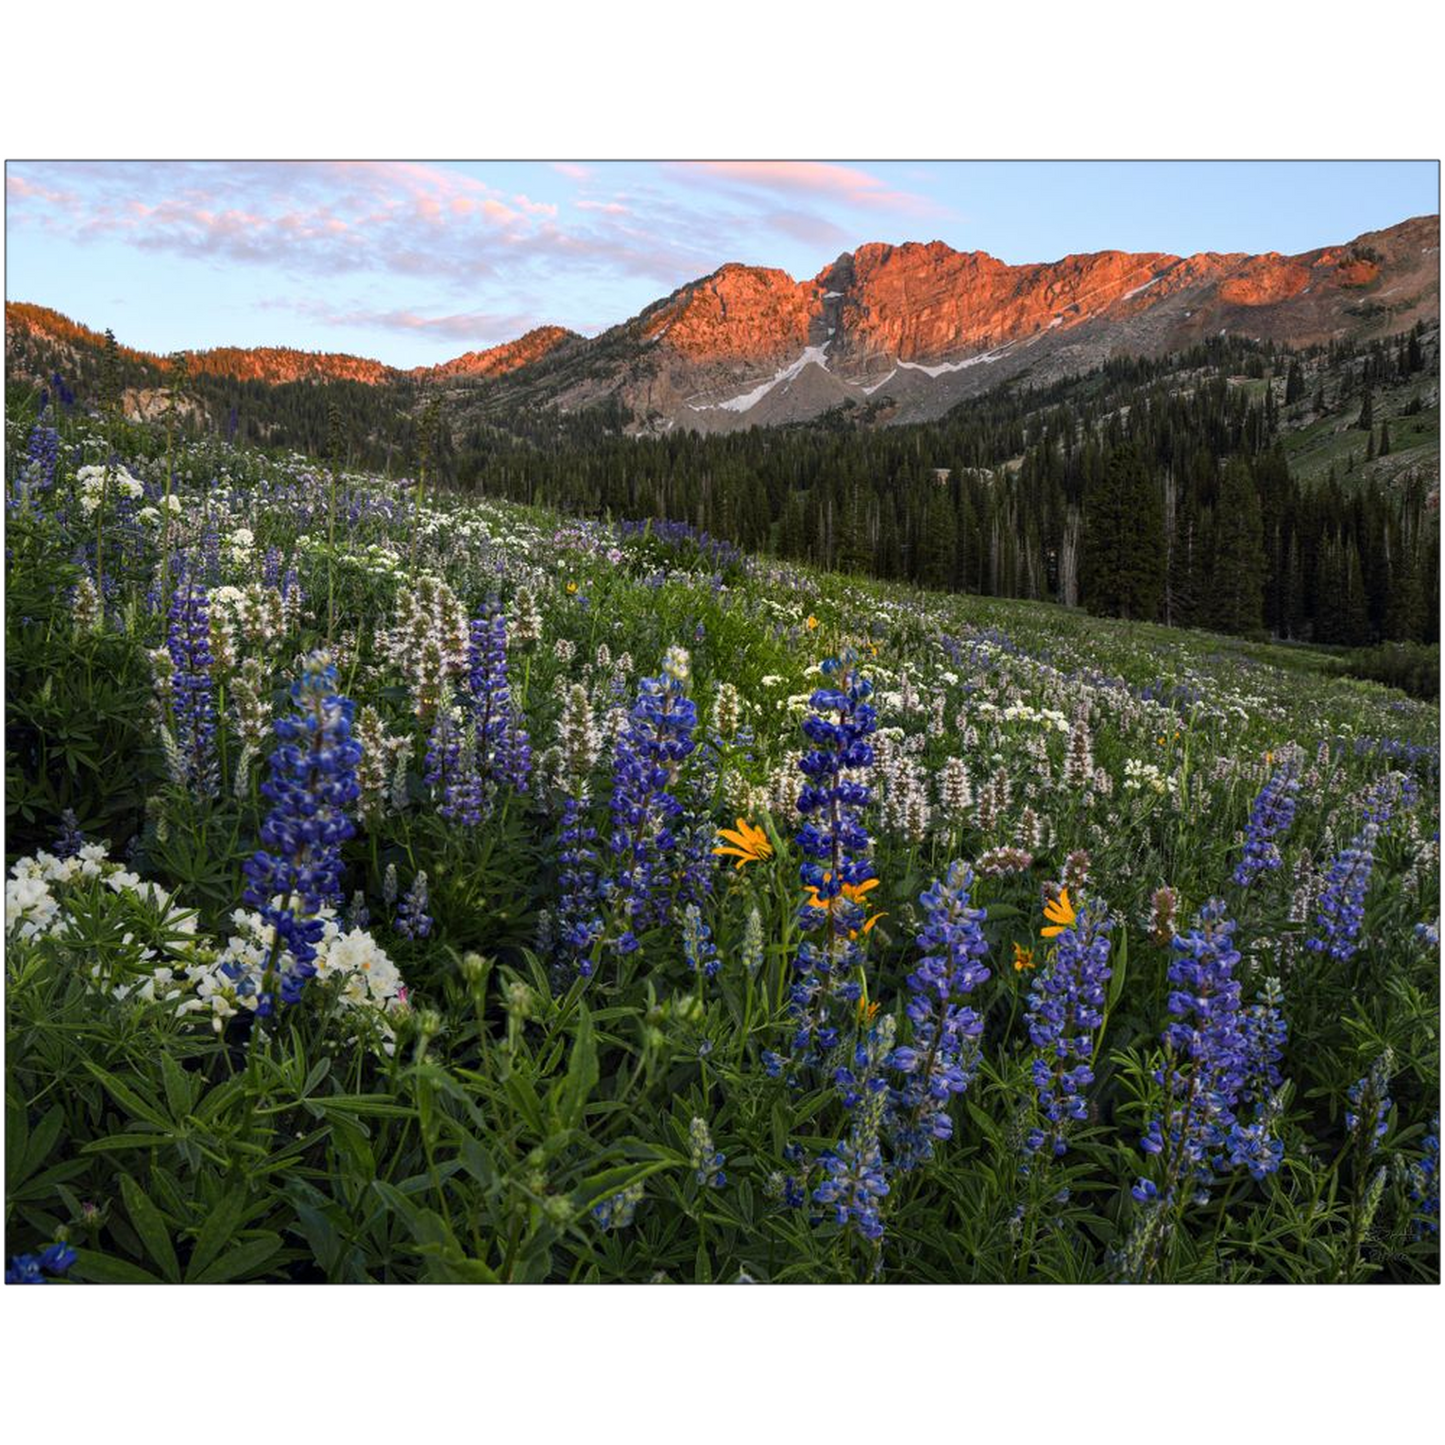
x,y
908,331
277,365
899,333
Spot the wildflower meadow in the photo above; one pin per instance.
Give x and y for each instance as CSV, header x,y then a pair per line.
x,y
409,886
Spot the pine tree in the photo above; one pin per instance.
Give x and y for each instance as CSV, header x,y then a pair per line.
x,y
1123,550
1237,572
1384,439
1366,421
1294,385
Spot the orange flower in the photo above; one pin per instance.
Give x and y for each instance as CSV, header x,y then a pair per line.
x,y
867,1012
749,844
853,892
1023,958
812,622
1060,913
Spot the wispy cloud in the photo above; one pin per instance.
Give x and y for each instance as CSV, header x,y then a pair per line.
x,y
845,184
327,218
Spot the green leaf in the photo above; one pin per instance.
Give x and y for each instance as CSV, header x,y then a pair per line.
x,y
1121,967
582,1072
613,1181
151,1227
216,1232
128,1099
106,1269
245,1259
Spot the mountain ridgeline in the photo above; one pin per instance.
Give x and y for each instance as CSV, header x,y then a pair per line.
x,y
1247,444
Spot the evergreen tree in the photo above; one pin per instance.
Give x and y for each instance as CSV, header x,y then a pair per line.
x,y
1237,571
1123,549
1294,385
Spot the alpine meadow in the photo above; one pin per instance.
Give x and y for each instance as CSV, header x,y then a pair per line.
x,y
928,773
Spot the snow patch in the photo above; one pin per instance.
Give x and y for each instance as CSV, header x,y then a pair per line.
x,y
980,360
828,295
869,390
1138,289
812,355
1057,321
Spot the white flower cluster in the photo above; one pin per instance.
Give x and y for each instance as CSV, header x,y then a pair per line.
x,y
189,974
93,482
231,981
1139,776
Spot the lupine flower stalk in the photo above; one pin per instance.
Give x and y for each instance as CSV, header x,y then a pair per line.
x,y
939,1061
837,870
1066,1006
1269,818
192,686
298,868
645,812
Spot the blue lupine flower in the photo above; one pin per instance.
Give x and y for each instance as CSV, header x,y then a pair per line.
x,y
943,1055
697,945
71,839
1270,817
1066,1006
579,918
1425,1182
451,771
645,813
1429,934
192,686
617,1211
707,1162
853,1183
835,844
32,1268
412,919
57,1258
1341,909
1368,1117
505,749
1220,1058
298,869
24,1269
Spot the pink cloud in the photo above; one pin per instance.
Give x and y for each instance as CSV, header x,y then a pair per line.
x,y
572,170
823,178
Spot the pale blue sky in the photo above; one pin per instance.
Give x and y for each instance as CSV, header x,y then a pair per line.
x,y
417,262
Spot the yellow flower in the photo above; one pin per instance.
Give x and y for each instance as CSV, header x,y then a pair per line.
x,y
1060,913
749,844
867,1012
853,892
571,587
1023,958
812,622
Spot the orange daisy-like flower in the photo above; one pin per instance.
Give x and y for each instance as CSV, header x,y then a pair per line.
x,y
812,622
854,893
1060,913
748,844
1023,958
867,1012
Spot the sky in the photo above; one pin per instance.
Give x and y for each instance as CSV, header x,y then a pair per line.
x,y
416,262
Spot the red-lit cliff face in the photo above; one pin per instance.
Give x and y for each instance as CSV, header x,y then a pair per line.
x,y
909,330
499,360
276,365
